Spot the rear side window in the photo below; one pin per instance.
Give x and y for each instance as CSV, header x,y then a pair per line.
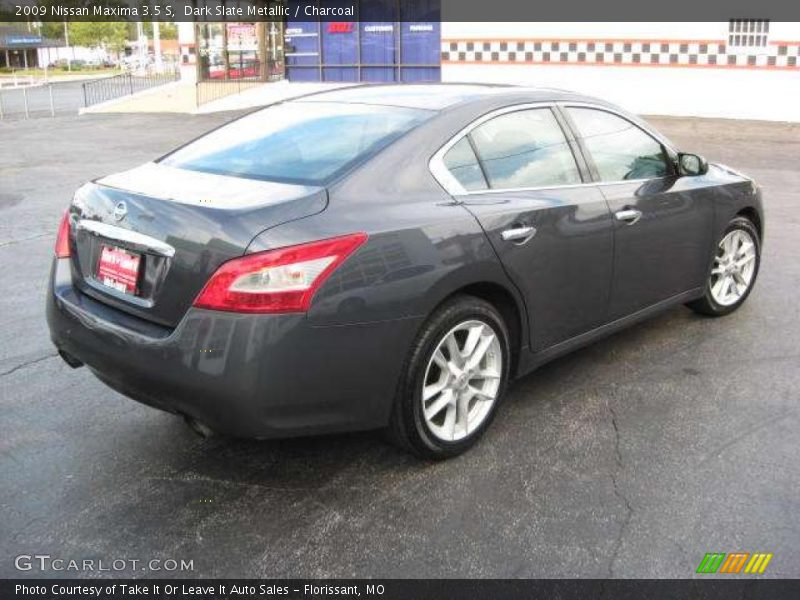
x,y
526,148
297,142
462,163
620,150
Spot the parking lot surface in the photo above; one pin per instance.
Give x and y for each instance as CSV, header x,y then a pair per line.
x,y
630,458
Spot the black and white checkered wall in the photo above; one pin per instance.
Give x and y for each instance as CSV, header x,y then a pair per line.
x,y
642,53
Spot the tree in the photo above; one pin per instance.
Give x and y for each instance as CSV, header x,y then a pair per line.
x,y
110,34
52,30
167,31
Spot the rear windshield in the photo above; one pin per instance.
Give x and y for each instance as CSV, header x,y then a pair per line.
x,y
297,142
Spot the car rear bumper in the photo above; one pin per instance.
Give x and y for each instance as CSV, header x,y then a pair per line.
x,y
246,375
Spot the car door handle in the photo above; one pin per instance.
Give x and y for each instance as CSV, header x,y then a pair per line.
x,y
628,215
519,235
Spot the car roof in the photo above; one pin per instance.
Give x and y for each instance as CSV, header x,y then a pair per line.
x,y
438,96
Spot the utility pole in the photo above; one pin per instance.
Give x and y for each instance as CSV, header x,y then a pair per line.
x,y
142,43
157,46
66,41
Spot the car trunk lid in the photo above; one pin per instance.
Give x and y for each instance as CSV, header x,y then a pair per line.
x,y
171,229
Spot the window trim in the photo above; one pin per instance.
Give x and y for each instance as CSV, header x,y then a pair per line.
x,y
670,153
478,161
452,186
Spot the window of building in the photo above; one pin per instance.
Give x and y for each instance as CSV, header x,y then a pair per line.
x,y
748,33
620,150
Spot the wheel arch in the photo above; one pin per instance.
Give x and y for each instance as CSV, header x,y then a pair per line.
x,y
750,213
510,307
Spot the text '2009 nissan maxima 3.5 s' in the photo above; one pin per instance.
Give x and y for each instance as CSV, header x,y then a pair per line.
x,y
389,257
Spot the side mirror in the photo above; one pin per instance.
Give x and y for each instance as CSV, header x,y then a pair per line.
x,y
692,164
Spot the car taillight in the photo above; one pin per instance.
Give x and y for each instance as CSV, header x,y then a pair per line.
x,y
277,281
62,239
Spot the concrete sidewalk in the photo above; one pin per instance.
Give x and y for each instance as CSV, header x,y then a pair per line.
x,y
175,97
267,94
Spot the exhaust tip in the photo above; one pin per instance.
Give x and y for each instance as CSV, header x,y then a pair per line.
x,y
70,360
201,429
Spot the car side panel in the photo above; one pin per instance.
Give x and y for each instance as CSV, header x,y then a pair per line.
x,y
664,252
734,192
418,253
564,271
729,193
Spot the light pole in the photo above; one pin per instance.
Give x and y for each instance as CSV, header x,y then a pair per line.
x,y
142,43
157,46
66,41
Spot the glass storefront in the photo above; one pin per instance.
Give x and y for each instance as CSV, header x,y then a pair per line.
x,y
393,41
251,51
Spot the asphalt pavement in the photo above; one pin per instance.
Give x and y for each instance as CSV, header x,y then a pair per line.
x,y
630,458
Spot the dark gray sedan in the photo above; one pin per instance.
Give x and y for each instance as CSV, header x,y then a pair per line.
x,y
390,257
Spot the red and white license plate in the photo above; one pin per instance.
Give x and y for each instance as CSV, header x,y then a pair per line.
x,y
118,269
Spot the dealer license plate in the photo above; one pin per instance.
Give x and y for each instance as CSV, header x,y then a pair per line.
x,y
119,269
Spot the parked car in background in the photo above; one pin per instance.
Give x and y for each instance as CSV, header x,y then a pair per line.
x,y
239,70
135,62
390,257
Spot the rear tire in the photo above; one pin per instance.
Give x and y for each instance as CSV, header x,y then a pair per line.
x,y
733,272
453,380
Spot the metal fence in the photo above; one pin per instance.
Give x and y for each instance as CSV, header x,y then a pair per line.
x,y
208,91
40,100
125,84
218,83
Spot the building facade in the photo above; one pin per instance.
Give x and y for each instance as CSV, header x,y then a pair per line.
x,y
367,51
20,46
394,41
738,69
743,69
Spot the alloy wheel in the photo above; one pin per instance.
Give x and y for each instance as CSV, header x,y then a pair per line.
x,y
462,380
734,267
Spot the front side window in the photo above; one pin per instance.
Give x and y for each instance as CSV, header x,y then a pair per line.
x,y
297,142
620,150
525,149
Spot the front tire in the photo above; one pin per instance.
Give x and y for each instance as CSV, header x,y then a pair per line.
x,y
733,271
453,381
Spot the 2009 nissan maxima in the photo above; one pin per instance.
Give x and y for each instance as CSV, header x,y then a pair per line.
x,y
389,257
